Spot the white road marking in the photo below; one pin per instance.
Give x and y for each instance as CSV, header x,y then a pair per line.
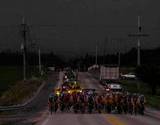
x,y
46,121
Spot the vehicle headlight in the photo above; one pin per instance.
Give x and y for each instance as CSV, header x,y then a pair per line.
x,y
69,92
58,93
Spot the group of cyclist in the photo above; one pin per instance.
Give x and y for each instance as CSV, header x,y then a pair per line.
x,y
85,102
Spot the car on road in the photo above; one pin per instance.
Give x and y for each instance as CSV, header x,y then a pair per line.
x,y
128,76
113,87
106,82
75,90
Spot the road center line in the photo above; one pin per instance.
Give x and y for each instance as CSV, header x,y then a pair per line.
x,y
114,120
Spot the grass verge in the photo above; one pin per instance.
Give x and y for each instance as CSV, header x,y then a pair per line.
x,y
151,100
8,76
19,92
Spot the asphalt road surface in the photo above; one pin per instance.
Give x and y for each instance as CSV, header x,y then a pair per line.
x,y
37,112
87,81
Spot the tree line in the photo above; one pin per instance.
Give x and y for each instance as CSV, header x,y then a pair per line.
x,y
128,59
10,58
148,57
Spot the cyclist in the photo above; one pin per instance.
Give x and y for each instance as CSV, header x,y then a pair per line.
x,y
119,103
129,104
124,103
141,102
110,103
135,103
100,103
82,103
50,102
90,103
53,102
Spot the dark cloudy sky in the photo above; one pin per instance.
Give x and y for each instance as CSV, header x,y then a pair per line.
x,y
80,24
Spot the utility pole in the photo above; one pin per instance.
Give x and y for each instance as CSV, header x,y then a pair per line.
x,y
119,58
104,50
39,55
96,55
103,56
95,14
139,35
24,31
119,51
139,43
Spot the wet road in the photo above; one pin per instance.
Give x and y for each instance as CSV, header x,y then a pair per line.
x,y
87,81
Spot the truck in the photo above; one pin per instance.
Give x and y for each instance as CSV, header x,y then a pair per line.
x,y
109,78
109,73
